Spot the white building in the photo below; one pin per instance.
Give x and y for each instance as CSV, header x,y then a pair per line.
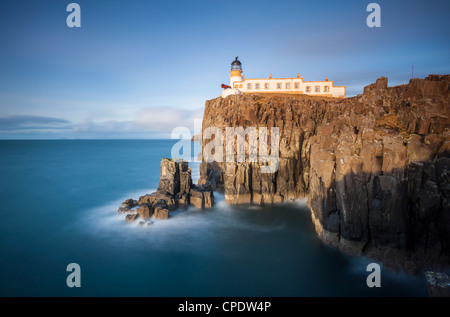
x,y
240,84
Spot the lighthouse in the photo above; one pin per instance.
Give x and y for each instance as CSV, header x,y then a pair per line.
x,y
235,76
236,72
270,85
286,85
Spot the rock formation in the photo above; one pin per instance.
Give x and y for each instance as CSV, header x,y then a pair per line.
x,y
127,205
175,190
374,167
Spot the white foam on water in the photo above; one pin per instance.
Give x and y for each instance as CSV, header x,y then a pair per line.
x,y
303,202
208,226
195,171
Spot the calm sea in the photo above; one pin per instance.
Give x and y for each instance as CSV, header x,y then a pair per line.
x,y
59,200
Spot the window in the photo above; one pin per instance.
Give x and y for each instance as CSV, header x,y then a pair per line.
x,y
317,88
308,88
288,86
240,86
266,86
326,88
249,86
279,86
296,85
257,86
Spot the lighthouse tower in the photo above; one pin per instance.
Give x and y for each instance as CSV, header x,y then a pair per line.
x,y
236,72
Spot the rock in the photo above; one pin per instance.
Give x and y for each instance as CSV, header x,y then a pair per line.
x,y
159,197
183,200
175,190
201,197
208,197
438,284
123,210
381,83
130,203
173,173
161,213
145,223
197,202
374,167
145,211
131,217
127,205
185,179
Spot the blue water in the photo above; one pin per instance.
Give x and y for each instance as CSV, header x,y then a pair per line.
x,y
58,202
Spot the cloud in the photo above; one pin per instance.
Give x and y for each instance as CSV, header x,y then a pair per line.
x,y
166,119
30,122
150,122
150,119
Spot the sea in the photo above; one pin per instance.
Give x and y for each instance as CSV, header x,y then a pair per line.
x,y
59,201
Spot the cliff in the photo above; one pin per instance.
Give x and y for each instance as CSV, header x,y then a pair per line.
x,y
375,167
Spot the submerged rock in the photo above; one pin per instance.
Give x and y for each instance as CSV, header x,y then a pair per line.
x,y
131,217
145,223
127,205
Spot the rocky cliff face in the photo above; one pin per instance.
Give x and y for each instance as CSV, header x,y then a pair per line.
x,y
375,167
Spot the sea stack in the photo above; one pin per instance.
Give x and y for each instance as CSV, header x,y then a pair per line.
x,y
175,190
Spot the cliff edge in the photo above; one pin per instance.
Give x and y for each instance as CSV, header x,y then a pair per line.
x,y
375,167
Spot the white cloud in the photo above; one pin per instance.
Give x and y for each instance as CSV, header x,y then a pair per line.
x,y
165,119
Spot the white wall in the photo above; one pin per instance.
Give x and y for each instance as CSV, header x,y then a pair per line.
x,y
273,86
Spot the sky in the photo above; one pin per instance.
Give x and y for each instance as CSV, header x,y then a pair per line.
x,y
140,68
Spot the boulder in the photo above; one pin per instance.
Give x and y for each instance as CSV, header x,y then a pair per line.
x,y
201,197
127,205
131,217
123,210
145,223
159,197
161,213
145,211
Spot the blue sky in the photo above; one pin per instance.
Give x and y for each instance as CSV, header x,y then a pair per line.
x,y
137,69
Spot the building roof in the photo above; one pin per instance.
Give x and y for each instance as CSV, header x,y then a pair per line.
x,y
236,62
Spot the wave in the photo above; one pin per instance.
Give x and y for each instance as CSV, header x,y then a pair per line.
x,y
189,228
